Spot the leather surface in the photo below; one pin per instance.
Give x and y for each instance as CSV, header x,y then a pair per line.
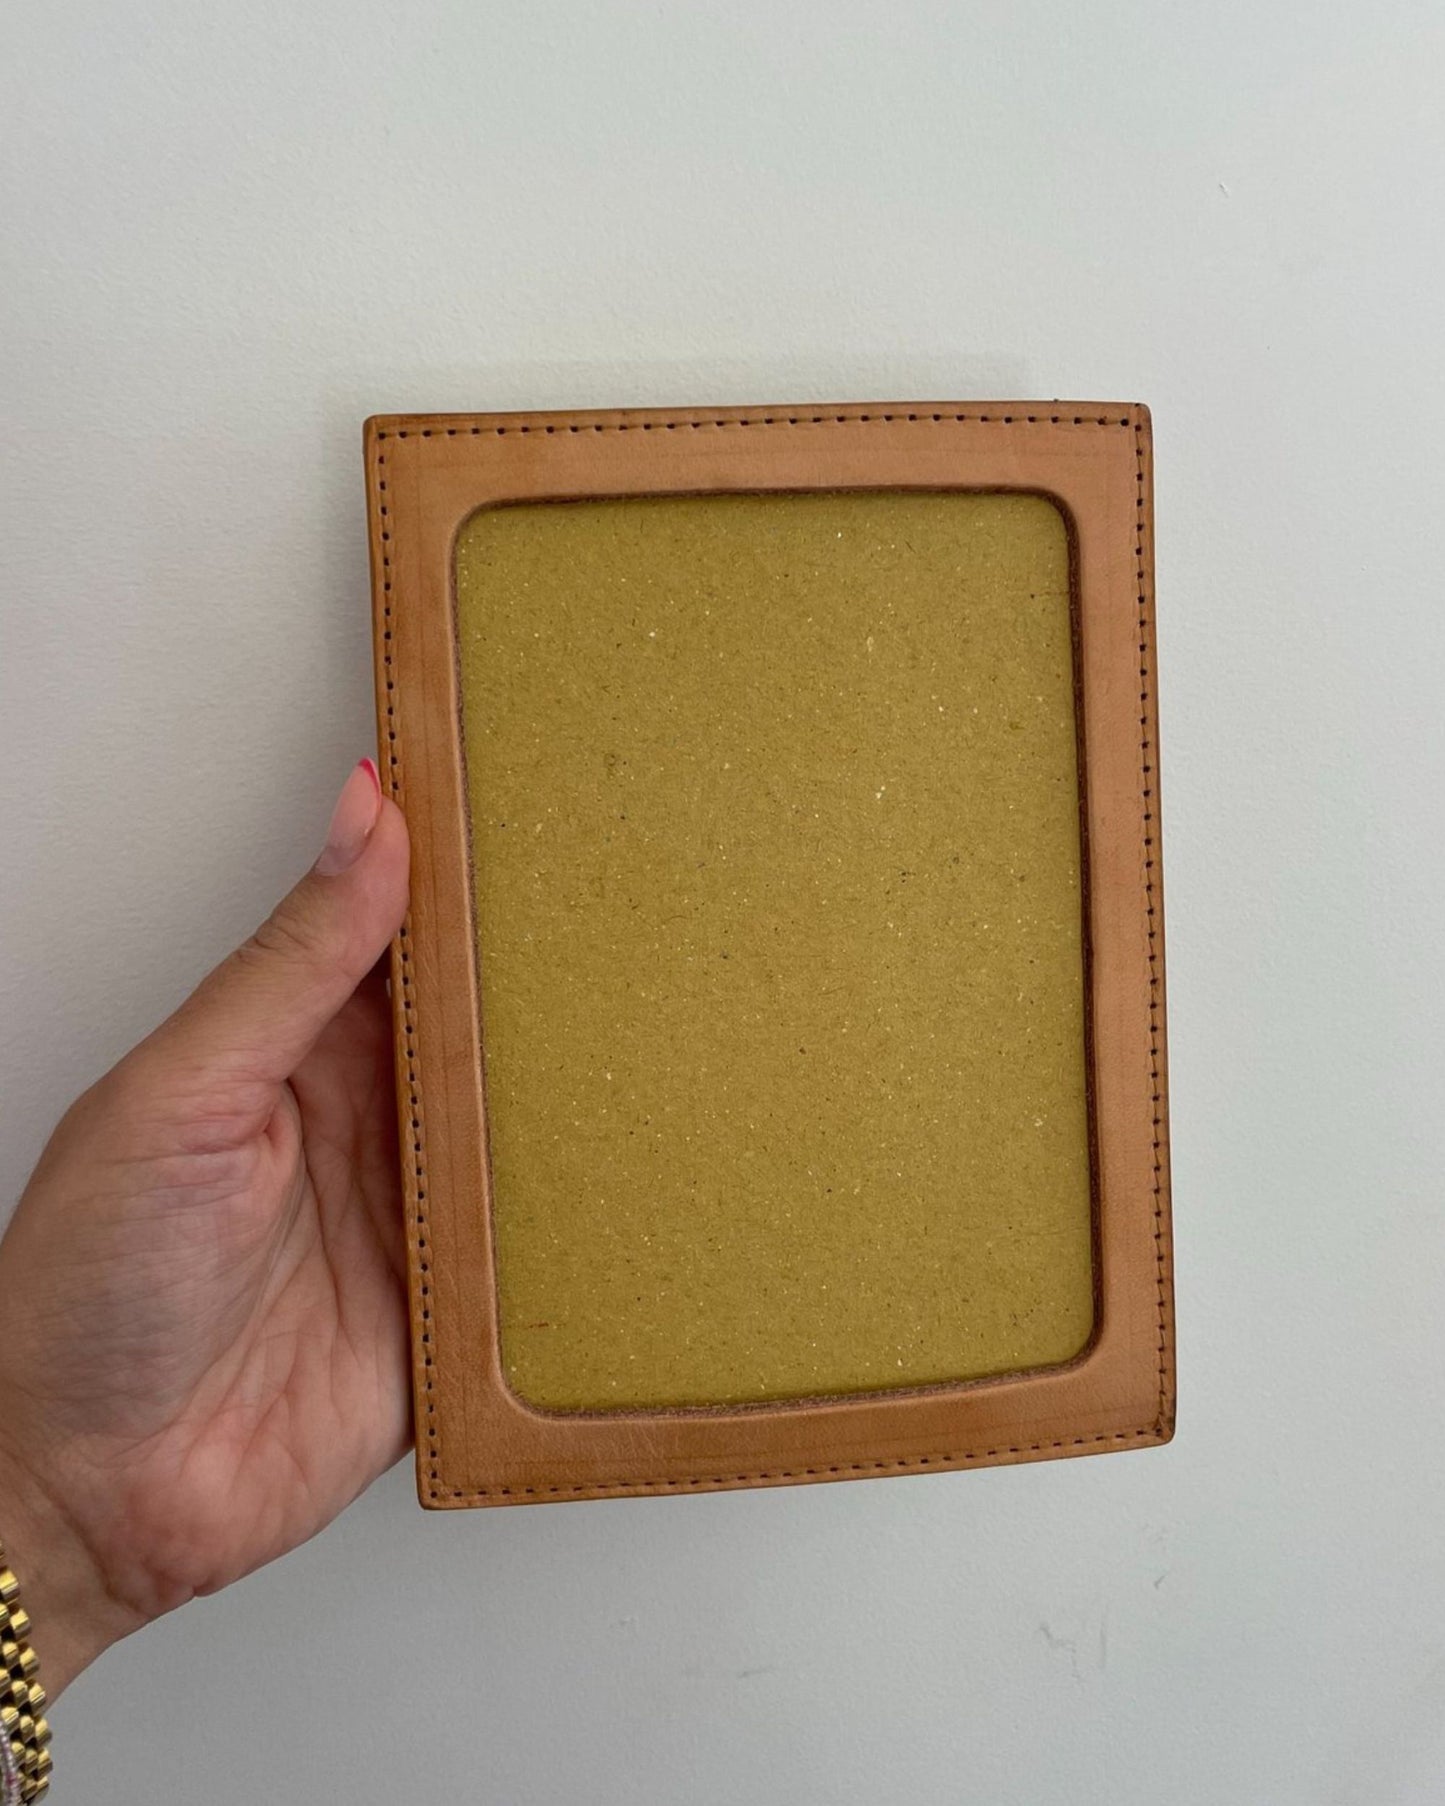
x,y
477,1443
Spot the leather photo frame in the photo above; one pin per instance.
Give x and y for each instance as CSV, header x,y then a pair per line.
x,y
504,1412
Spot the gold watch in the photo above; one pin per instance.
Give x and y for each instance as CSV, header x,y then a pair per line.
x,y
24,1734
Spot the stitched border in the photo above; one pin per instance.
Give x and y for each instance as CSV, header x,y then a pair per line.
x,y
1148,776
946,1459
522,428
401,967
898,1464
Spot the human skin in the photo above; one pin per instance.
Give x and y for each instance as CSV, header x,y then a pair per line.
x,y
205,1349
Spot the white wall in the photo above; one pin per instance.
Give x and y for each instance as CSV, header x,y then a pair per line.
x,y
233,230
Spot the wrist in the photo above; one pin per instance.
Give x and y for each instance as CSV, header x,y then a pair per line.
x,y
74,1614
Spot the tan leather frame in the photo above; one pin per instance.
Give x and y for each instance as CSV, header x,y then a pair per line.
x,y
477,1444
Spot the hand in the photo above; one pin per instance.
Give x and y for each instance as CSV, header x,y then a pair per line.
x,y
205,1348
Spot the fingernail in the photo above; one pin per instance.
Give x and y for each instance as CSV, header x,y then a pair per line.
x,y
351,821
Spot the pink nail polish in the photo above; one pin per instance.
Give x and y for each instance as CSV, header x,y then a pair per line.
x,y
352,820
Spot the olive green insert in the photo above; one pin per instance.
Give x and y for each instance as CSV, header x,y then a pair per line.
x,y
775,822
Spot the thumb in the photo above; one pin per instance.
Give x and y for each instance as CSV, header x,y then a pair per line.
x,y
258,1014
